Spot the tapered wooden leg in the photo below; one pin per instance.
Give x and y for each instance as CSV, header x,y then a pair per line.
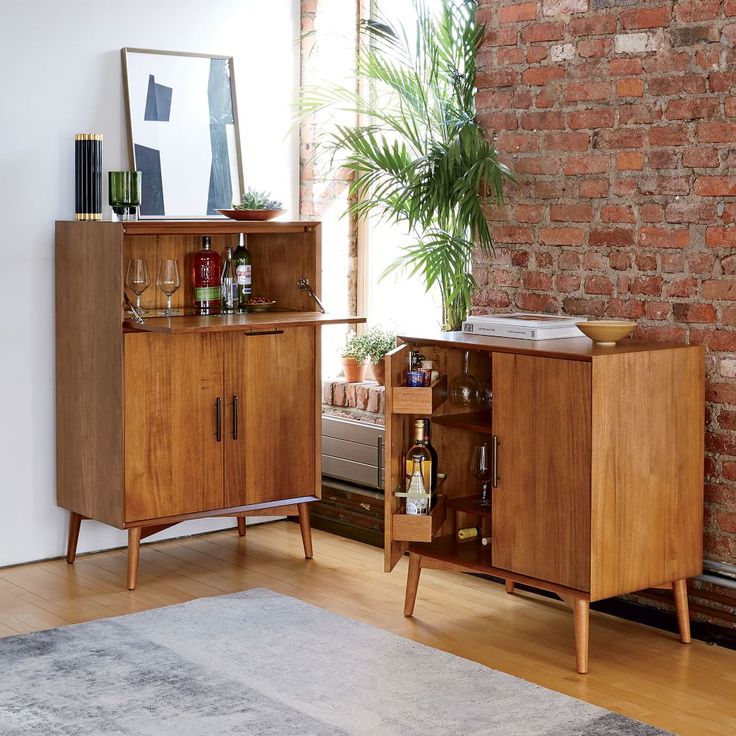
x,y
241,526
75,521
306,529
134,548
679,588
581,610
510,585
412,583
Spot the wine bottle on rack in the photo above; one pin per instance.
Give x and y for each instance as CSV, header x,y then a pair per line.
x,y
229,283
419,450
206,279
243,272
432,452
418,502
472,532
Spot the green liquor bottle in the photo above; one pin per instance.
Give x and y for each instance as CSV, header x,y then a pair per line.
x,y
242,263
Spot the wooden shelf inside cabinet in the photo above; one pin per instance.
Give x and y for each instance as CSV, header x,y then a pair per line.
x,y
475,421
469,505
420,528
471,555
419,399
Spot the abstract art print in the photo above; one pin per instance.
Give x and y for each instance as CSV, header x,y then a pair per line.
x,y
183,131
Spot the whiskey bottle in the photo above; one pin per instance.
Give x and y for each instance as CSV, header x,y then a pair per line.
x,y
228,283
206,274
243,272
418,451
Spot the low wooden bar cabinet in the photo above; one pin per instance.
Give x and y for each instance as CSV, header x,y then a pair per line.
x,y
598,485
189,416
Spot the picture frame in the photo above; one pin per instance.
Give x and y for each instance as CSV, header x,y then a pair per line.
x,y
183,132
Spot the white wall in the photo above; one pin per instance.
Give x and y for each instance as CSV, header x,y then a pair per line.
x,y
60,74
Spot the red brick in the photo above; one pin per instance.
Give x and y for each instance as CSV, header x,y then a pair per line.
x,y
642,114
716,132
537,302
729,33
512,234
537,165
692,11
708,58
623,138
701,158
594,48
498,121
720,443
694,313
598,285
692,109
730,7
721,237
566,283
528,213
517,142
602,118
694,83
503,277
561,236
620,67
510,55
537,280
668,135
517,13
667,62
657,237
543,32
569,260
625,308
501,37
543,120
594,260
663,185
630,161
716,186
617,213
499,78
690,211
535,54
571,213
720,81
650,285
543,259
630,87
726,519
597,25
646,262
566,141
593,163
539,76
520,258
682,288
546,98
646,17
580,91
661,334
555,189
701,263
619,261
720,289
651,213
665,86
663,159
657,310
594,188
730,106
611,237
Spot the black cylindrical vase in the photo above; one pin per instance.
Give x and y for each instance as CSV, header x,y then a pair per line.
x,y
88,176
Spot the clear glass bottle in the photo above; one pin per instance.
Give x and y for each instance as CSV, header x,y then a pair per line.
x,y
229,283
417,506
419,453
243,272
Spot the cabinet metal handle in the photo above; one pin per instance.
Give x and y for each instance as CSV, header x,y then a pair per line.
x,y
494,457
235,416
218,419
263,332
379,455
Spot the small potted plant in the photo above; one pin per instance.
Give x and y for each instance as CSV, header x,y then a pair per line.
x,y
378,342
354,358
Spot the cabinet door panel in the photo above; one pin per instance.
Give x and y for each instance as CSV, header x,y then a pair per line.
x,y
274,377
173,461
541,508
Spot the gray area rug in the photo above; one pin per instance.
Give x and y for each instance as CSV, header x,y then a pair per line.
x,y
260,663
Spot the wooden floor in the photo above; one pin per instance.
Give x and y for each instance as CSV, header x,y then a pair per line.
x,y
641,672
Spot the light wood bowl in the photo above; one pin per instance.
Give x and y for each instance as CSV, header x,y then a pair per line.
x,y
606,331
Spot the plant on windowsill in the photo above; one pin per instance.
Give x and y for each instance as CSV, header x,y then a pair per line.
x,y
418,154
378,342
354,356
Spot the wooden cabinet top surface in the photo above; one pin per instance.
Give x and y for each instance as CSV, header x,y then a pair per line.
x,y
576,348
215,226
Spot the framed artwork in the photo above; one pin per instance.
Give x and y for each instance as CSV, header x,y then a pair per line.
x,y
183,132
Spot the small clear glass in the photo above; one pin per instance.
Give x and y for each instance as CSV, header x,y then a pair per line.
x,y
168,282
137,280
481,468
465,390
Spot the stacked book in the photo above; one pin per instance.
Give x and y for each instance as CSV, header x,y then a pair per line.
x,y
523,325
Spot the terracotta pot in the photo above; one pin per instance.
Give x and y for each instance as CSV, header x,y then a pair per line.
x,y
354,372
379,371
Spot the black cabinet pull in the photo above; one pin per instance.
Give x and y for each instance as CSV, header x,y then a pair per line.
x,y
218,419
235,416
263,332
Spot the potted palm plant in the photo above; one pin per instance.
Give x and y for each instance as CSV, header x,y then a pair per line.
x,y
418,153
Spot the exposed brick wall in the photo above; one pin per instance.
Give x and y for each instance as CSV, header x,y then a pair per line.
x,y
619,117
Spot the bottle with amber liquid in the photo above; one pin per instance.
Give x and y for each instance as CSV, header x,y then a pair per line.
x,y
206,272
419,456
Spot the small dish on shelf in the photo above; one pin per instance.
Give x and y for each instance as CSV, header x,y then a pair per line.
x,y
606,332
251,214
260,306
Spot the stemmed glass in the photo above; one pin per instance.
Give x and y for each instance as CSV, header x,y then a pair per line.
x,y
465,389
168,282
137,280
481,468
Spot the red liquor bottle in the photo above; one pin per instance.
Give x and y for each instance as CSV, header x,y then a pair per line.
x,y
206,268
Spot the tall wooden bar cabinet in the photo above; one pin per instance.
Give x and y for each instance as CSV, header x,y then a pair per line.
x,y
189,416
598,468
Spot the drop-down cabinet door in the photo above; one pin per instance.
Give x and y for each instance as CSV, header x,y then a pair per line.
x,y
271,415
541,506
173,425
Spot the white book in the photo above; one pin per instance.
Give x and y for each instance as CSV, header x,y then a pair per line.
x,y
523,326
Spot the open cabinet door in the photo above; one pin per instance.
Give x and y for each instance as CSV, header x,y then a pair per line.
x,y
396,366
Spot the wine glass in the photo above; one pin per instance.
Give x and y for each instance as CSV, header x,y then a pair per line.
x,y
481,468
137,280
168,282
465,389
